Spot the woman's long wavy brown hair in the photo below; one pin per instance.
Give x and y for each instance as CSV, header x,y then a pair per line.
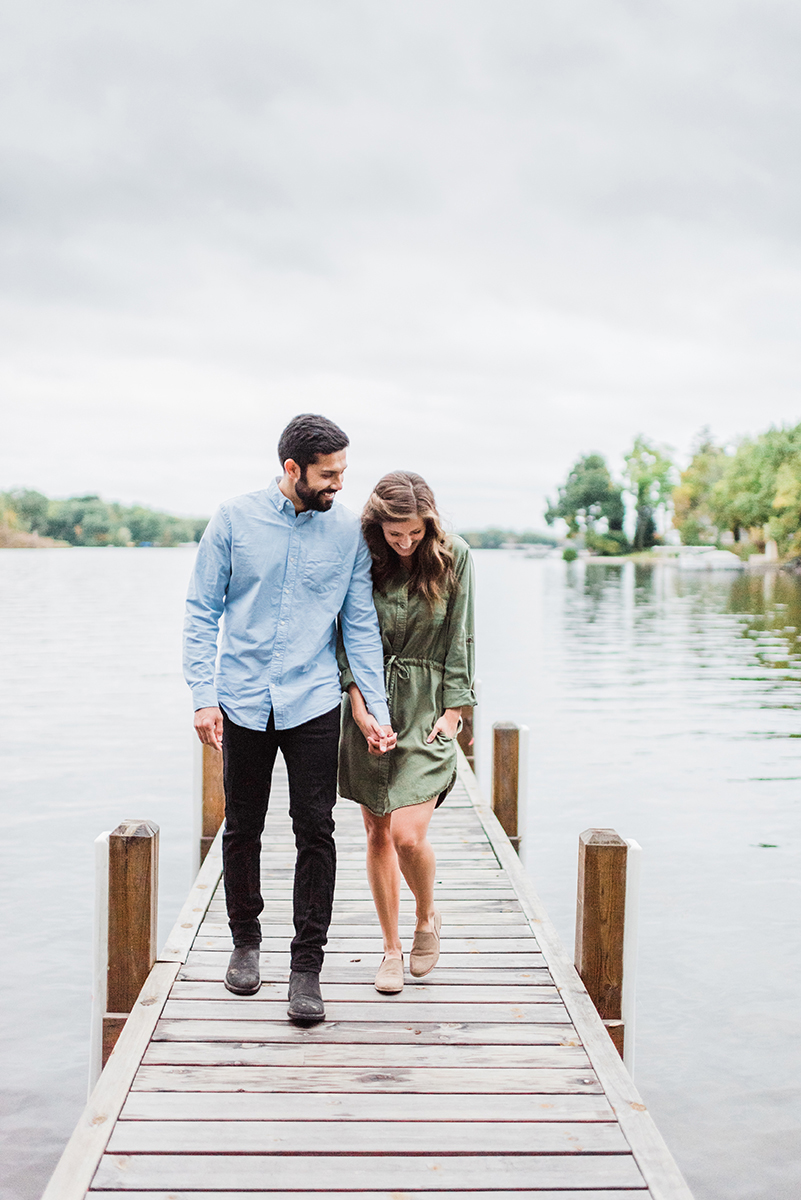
x,y
399,496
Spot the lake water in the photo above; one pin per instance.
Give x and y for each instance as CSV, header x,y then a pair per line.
x,y
661,704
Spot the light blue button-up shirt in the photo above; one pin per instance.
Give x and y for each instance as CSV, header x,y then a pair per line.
x,y
277,582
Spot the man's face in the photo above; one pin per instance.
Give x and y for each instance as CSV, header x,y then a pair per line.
x,y
321,481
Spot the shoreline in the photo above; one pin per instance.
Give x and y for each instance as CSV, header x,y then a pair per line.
x,y
645,560
17,539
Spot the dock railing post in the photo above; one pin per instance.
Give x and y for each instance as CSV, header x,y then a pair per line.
x,y
133,856
209,798
605,956
509,774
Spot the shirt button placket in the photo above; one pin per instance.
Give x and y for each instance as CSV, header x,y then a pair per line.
x,y
284,610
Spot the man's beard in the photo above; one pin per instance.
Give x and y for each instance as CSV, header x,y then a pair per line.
x,y
314,501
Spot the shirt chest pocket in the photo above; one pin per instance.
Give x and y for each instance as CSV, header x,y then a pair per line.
x,y
321,573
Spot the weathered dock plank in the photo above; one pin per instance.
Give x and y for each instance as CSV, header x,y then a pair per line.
x,y
368,1137
344,969
543,1052
407,1172
492,1078
404,1010
443,993
358,1033
388,1079
335,1106
275,966
521,1194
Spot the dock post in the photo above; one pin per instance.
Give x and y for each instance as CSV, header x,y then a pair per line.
x,y
209,798
509,773
600,924
133,855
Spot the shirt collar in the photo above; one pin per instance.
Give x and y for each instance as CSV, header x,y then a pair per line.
x,y
283,503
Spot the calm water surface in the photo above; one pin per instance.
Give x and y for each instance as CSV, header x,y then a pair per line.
x,y
664,705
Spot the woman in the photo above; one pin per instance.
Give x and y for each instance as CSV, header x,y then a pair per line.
x,y
423,592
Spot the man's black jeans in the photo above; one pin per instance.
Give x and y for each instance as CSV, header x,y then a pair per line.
x,y
310,753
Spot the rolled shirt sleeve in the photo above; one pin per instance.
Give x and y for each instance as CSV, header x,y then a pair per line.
x,y
458,690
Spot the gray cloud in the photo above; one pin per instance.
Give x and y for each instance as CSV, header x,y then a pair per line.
x,y
486,238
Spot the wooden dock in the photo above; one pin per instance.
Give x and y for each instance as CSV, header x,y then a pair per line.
x,y
493,1076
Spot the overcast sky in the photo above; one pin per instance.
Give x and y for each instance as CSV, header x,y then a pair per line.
x,y
485,236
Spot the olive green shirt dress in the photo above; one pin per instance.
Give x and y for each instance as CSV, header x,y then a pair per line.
x,y
429,664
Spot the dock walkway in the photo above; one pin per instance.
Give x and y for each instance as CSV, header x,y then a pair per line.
x,y
493,1075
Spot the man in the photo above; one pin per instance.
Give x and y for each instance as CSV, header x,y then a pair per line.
x,y
282,565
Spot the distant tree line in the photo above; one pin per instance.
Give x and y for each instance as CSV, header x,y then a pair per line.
x,y
90,521
742,495
493,538
745,494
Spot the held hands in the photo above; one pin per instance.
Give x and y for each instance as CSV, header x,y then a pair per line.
x,y
447,725
380,738
209,726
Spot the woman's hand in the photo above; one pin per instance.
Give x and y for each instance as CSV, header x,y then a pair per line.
x,y
448,724
380,738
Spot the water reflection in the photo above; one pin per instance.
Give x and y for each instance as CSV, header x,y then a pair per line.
x,y
665,705
765,608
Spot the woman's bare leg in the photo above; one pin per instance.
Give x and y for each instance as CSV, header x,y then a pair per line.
x,y
383,875
416,857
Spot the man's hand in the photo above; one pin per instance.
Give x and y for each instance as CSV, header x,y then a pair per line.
x,y
209,726
380,738
448,724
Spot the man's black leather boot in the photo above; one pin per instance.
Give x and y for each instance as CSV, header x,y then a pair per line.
x,y
242,975
305,1002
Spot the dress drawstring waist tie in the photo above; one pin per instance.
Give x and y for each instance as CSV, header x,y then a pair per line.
x,y
396,667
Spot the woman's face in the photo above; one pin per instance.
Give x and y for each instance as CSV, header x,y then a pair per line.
x,y
404,536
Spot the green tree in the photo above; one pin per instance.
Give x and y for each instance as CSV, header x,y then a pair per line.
x,y
649,476
591,503
760,489
693,513
65,519
145,524
30,508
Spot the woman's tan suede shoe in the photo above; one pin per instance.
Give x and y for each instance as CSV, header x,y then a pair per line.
x,y
389,976
425,949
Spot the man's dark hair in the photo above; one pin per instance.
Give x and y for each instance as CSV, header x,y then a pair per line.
x,y
308,435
